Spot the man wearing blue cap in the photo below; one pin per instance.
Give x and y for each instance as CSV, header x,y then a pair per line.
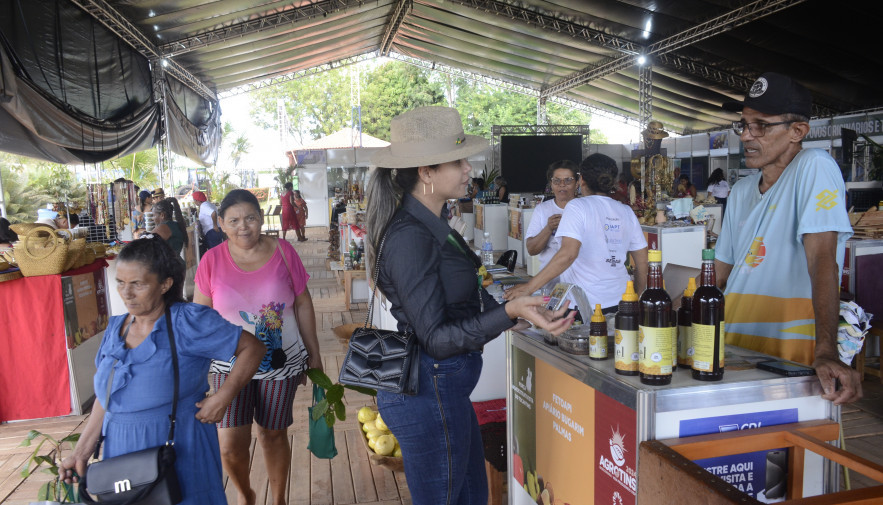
x,y
783,238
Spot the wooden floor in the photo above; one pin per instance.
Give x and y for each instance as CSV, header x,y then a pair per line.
x,y
350,477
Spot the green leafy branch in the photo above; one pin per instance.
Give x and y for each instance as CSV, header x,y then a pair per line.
x,y
56,489
332,406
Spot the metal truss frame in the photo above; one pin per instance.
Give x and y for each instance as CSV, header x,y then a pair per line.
x,y
124,29
313,10
395,22
511,86
497,131
715,26
291,76
645,94
552,23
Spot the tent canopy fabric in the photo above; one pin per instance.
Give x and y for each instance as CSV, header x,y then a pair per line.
x,y
104,91
342,139
72,91
534,44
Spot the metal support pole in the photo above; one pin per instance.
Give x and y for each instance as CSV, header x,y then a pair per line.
x,y
542,117
645,94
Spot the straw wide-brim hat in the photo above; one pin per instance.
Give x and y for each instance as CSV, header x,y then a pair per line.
x,y
427,136
655,131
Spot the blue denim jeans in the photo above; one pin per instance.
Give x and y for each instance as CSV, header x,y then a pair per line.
x,y
438,432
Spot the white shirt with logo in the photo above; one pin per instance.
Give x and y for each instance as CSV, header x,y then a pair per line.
x,y
768,293
538,220
607,230
205,216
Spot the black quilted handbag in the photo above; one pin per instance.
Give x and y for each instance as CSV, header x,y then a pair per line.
x,y
383,360
145,477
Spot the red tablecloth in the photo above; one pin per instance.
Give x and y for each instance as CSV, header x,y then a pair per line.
x,y
34,376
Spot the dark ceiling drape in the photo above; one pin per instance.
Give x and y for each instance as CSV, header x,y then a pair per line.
x,y
71,91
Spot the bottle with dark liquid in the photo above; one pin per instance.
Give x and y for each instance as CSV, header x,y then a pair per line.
x,y
626,336
708,324
685,326
598,335
654,329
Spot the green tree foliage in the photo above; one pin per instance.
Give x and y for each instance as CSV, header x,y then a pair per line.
x,y
239,146
320,104
141,167
21,199
393,88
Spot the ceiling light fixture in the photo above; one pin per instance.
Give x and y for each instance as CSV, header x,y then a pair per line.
x,y
647,26
164,62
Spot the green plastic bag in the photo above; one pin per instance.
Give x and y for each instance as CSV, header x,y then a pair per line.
x,y
321,435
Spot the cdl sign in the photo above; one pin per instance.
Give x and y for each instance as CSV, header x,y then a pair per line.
x,y
736,422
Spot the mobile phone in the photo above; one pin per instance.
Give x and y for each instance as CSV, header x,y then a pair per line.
x,y
786,368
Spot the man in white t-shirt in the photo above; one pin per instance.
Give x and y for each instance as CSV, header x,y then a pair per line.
x,y
597,233
208,220
541,241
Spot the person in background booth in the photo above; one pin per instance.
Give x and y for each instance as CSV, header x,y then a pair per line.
x,y
138,220
428,274
208,220
501,188
563,177
259,282
781,247
686,189
301,213
133,371
719,188
7,236
172,231
289,216
597,234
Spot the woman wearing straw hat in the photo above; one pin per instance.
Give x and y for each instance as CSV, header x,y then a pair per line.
x,y
428,273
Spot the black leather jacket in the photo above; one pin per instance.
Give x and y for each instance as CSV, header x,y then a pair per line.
x,y
433,287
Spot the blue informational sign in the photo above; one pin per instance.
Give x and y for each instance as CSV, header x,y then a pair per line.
x,y
762,474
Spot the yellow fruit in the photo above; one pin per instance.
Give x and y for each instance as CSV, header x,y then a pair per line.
x,y
378,422
397,452
368,426
384,445
375,434
371,443
366,414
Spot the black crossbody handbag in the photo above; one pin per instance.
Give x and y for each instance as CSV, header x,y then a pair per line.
x,y
383,360
145,477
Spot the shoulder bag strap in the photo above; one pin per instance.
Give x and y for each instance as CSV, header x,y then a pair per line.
x,y
459,242
171,333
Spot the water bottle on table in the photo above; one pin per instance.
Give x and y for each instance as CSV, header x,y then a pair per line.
x,y
487,250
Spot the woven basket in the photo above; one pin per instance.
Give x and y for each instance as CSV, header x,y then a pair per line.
x,y
10,275
75,250
41,252
24,228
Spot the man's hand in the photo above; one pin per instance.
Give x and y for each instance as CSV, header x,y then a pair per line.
x,y
829,370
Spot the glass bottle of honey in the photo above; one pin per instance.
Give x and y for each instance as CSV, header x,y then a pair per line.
x,y
708,324
685,326
654,330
